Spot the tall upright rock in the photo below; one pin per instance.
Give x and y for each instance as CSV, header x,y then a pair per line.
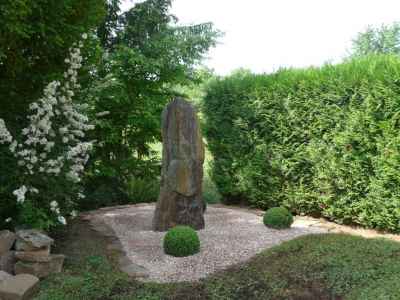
x,y
180,201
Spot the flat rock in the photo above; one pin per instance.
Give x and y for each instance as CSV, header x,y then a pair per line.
x,y
20,287
34,256
32,240
303,222
7,261
132,269
41,269
4,276
7,239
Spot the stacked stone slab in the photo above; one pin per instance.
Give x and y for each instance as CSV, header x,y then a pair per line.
x,y
19,287
7,256
32,252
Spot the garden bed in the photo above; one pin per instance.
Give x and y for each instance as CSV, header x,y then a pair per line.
x,y
326,266
231,236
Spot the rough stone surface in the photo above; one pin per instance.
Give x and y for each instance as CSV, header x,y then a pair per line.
x,y
20,287
133,269
231,236
4,276
180,201
34,256
41,269
7,239
7,262
32,240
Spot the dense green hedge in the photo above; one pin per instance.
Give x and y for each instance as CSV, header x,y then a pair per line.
x,y
321,141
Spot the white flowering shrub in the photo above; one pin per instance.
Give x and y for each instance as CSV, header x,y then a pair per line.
x,y
51,152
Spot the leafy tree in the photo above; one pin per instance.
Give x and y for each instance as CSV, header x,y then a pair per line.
x,y
134,80
195,90
34,40
106,29
382,40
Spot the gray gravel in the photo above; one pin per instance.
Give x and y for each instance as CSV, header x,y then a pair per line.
x,y
231,236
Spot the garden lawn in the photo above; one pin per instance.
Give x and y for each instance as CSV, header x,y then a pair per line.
x,y
327,266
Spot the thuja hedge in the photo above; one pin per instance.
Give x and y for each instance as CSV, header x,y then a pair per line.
x,y
321,141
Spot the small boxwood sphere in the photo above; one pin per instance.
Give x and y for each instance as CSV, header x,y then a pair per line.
x,y
181,241
278,218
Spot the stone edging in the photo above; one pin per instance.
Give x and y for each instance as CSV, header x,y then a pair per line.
x,y
114,245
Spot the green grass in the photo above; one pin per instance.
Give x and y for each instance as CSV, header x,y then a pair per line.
x,y
328,266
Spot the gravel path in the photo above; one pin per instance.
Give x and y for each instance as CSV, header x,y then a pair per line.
x,y
231,236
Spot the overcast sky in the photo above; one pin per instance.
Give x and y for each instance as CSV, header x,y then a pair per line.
x,y
264,35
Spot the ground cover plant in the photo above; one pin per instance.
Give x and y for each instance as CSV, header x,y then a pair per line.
x,y
321,141
332,266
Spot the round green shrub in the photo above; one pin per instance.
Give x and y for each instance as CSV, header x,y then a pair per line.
x,y
278,218
181,241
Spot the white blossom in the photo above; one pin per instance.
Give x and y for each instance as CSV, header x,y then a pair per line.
x,y
20,194
62,220
103,113
5,136
13,146
34,190
52,143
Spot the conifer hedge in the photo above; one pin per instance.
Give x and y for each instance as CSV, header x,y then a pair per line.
x,y
321,141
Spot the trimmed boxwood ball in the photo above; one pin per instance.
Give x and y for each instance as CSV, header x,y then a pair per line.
x,y
181,241
278,218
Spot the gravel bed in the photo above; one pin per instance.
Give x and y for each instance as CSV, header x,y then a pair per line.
x,y
231,236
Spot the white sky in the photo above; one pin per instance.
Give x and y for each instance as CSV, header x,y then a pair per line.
x,y
264,35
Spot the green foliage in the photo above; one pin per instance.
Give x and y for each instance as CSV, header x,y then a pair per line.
x,y
224,109
194,90
278,218
321,141
210,191
34,41
146,55
382,40
143,190
102,191
105,31
132,60
181,241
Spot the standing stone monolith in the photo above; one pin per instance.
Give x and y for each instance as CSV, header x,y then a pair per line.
x,y
180,201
